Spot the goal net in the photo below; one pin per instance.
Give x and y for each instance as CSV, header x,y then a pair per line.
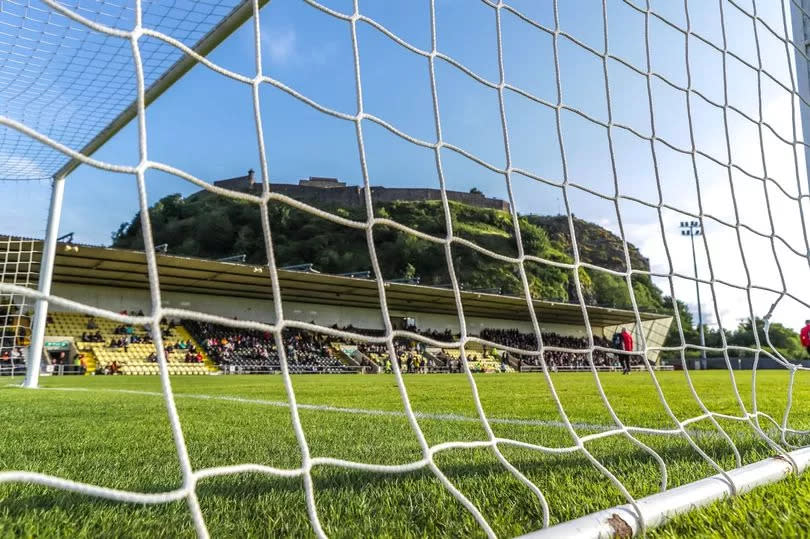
x,y
641,115
20,268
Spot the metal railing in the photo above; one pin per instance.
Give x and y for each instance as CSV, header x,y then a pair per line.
x,y
294,369
587,368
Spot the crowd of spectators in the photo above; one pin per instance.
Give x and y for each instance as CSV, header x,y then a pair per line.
x,y
253,350
554,358
191,353
256,351
411,356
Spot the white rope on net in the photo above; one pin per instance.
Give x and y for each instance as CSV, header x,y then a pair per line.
x,y
51,66
128,27
20,256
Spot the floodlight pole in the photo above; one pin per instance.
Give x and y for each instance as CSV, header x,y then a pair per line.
x,y
45,277
692,229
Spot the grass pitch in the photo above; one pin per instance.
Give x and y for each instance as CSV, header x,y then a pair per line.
x,y
114,432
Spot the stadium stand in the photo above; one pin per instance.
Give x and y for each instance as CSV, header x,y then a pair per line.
x,y
195,348
111,348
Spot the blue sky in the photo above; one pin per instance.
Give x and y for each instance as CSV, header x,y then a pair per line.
x,y
204,125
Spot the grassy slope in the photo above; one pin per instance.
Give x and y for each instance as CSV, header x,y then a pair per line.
x,y
122,440
210,226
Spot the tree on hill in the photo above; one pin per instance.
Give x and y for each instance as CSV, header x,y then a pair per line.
x,y
208,226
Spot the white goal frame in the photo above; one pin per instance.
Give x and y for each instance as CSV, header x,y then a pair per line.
x,y
209,42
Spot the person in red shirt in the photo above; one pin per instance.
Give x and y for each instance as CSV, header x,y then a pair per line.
x,y
804,335
627,346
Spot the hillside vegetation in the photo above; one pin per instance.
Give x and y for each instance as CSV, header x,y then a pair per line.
x,y
213,227
208,226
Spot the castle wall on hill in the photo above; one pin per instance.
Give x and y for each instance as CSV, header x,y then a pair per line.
x,y
347,197
391,194
353,196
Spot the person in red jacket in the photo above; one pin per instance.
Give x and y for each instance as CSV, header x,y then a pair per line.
x,y
627,346
804,335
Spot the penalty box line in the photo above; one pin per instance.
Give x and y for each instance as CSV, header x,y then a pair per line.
x,y
451,417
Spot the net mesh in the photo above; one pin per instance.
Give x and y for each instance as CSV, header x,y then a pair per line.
x,y
33,143
20,268
55,71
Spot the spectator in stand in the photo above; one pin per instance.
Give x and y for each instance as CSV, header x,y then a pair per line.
x,y
804,335
91,323
627,346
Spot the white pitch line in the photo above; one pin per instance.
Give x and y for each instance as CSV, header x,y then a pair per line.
x,y
384,413
343,410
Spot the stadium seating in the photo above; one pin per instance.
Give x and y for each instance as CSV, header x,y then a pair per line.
x,y
234,350
244,351
134,359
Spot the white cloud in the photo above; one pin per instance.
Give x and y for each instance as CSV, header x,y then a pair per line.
x,y
280,44
21,167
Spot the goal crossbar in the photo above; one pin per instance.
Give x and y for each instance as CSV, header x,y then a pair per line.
x,y
219,33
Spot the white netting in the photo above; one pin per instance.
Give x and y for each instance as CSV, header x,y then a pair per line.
x,y
103,24
69,82
20,267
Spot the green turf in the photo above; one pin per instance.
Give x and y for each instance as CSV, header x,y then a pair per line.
x,y
111,438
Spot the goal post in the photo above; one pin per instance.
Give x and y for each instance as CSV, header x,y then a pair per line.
x,y
800,27
44,146
39,320
216,35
